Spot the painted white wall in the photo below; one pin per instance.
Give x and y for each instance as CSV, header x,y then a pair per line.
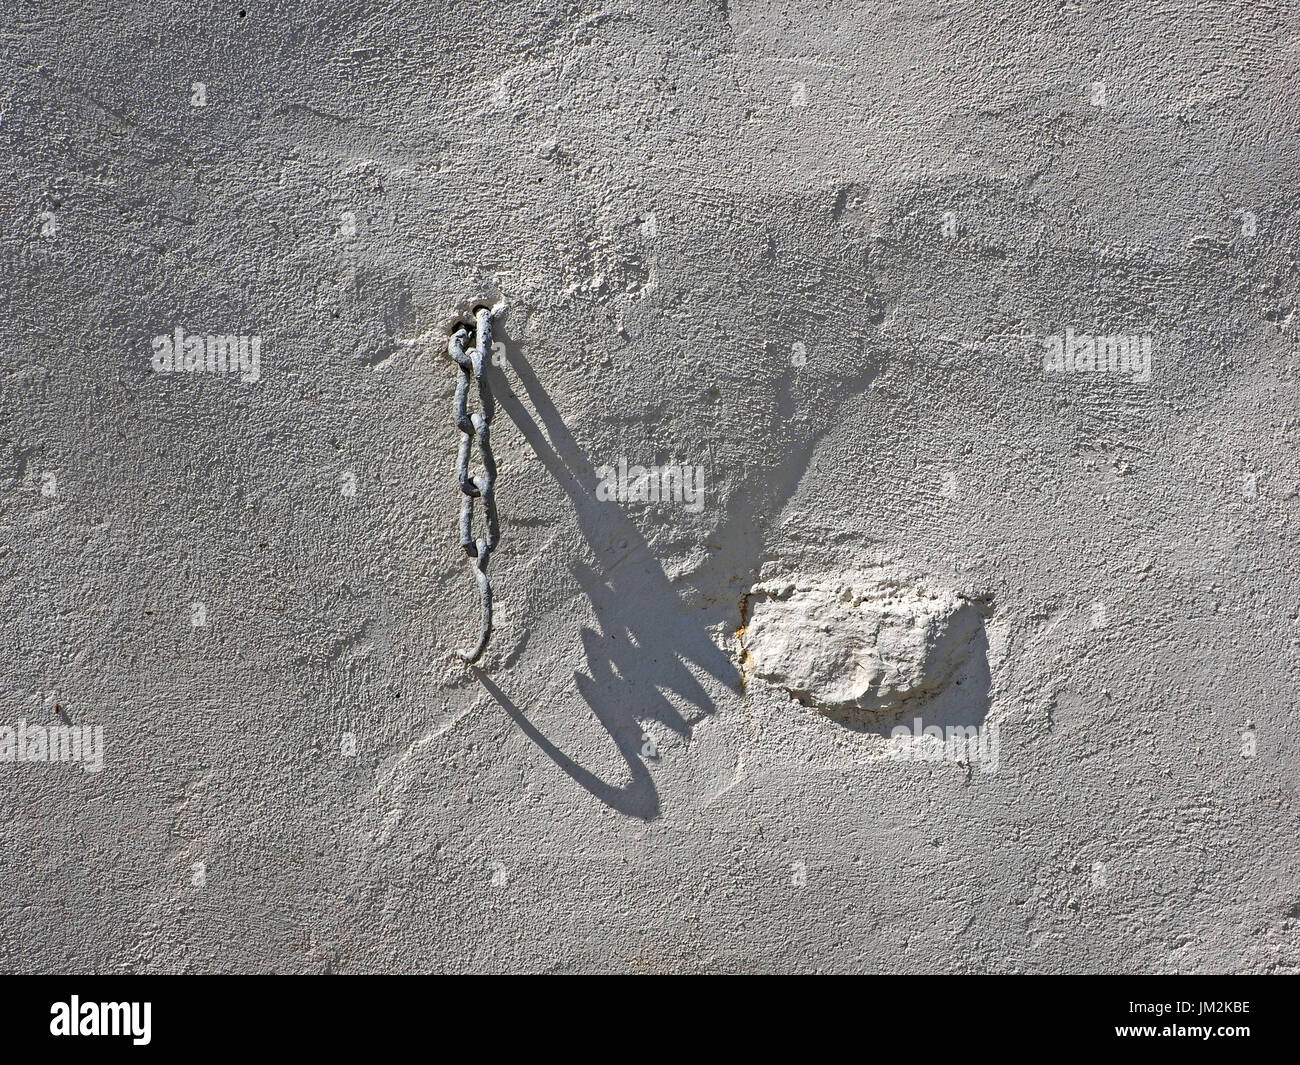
x,y
815,251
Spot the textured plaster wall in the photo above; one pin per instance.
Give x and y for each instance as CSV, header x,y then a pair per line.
x,y
813,249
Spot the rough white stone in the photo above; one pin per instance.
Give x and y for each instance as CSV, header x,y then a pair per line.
x,y
858,642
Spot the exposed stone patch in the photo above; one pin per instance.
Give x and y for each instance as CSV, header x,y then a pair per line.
x,y
859,642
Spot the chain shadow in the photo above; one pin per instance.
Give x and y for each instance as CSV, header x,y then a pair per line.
x,y
645,636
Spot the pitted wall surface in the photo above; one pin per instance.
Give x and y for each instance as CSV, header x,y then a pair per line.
x,y
996,297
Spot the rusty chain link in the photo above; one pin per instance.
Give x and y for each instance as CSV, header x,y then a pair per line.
x,y
476,427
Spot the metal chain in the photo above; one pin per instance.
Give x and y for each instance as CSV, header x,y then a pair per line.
x,y
474,427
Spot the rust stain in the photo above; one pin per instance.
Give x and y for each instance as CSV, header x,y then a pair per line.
x,y
746,659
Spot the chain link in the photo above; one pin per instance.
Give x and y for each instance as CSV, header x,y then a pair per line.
x,y
476,427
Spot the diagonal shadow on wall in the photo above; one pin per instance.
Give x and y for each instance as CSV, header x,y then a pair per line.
x,y
645,636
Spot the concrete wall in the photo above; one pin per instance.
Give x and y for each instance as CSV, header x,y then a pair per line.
x,y
845,258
